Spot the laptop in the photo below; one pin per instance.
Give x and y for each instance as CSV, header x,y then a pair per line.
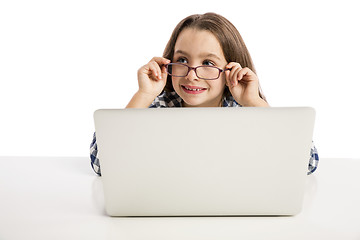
x,y
204,161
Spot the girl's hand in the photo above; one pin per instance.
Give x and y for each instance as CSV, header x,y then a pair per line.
x,y
152,76
243,85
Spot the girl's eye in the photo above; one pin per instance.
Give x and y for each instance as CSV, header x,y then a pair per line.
x,y
208,63
182,60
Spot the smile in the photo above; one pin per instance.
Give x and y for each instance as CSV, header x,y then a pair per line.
x,y
193,89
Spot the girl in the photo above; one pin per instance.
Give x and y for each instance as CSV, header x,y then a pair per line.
x,y
205,64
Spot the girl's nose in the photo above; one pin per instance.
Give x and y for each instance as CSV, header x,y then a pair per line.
x,y
192,76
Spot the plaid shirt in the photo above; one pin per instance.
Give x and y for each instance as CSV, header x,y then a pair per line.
x,y
171,99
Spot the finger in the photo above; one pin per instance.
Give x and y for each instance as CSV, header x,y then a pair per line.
x,y
234,75
163,72
232,64
237,77
155,69
160,60
227,78
234,67
244,73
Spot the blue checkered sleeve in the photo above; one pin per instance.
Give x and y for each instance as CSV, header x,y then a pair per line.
x,y
314,159
95,164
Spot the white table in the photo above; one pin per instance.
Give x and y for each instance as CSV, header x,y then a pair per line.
x,y
61,198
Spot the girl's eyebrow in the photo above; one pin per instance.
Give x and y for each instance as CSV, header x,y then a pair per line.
x,y
181,52
203,55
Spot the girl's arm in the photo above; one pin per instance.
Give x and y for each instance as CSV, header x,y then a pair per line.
x,y
141,100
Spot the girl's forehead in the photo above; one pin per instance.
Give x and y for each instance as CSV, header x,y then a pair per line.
x,y
196,42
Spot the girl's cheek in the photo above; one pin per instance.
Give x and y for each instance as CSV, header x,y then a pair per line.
x,y
224,82
175,80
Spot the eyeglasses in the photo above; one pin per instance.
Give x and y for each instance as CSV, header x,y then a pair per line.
x,y
202,72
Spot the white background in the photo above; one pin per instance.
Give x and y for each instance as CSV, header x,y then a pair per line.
x,y
61,60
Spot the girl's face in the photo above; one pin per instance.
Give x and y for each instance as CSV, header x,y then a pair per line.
x,y
198,48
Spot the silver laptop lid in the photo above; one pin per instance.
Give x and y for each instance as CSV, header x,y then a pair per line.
x,y
204,161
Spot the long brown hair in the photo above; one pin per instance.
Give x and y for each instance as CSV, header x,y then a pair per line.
x,y
231,42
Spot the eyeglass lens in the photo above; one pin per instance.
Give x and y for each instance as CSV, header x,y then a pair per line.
x,y
203,72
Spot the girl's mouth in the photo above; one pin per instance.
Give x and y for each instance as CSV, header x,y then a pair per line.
x,y
193,89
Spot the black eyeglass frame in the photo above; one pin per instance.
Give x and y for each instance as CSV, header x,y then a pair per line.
x,y
195,68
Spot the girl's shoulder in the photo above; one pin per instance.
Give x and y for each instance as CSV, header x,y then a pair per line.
x,y
166,99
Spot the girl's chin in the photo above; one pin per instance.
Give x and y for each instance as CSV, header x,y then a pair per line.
x,y
194,103
191,102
